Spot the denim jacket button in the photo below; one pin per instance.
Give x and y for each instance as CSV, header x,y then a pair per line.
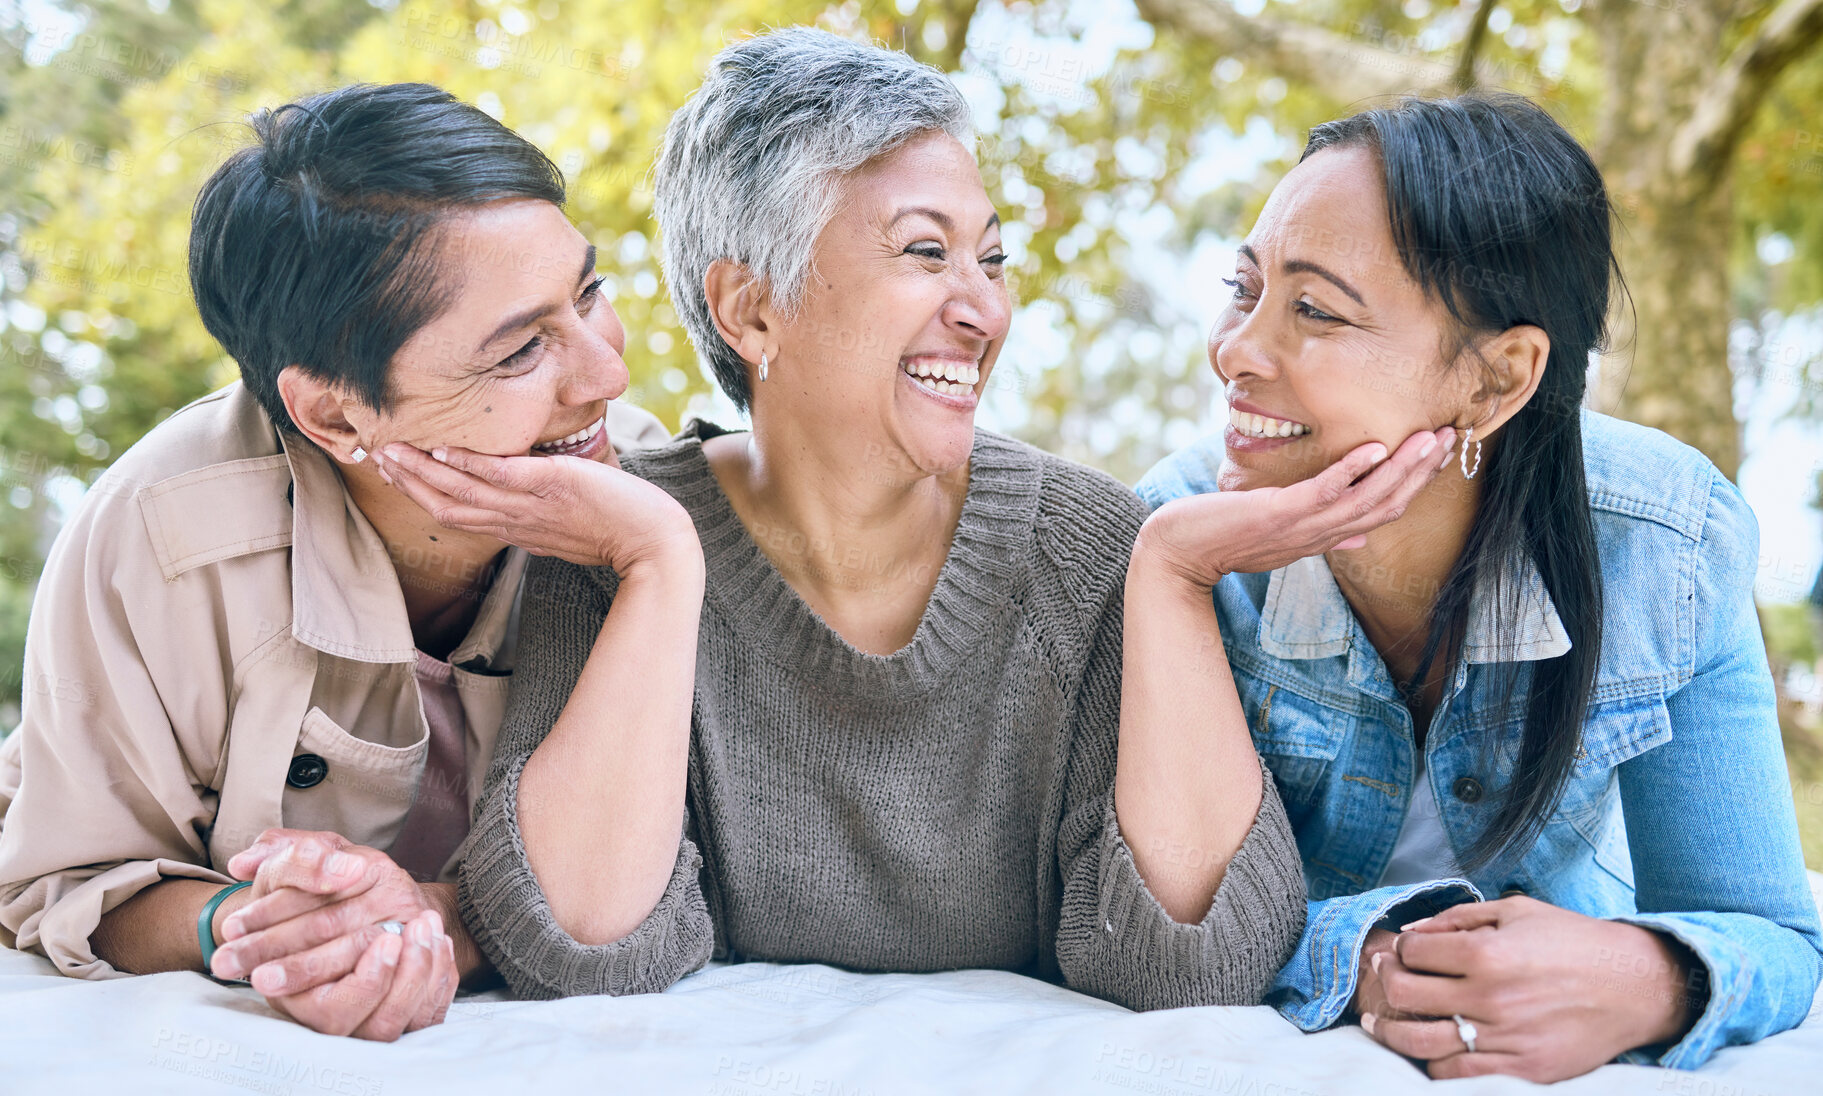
x,y
1467,789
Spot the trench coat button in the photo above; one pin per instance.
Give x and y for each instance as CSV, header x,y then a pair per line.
x,y
307,771
1467,789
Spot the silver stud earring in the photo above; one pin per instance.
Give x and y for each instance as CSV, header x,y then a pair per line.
x,y
359,454
1467,472
763,369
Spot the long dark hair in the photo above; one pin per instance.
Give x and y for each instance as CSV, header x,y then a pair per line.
x,y
1498,211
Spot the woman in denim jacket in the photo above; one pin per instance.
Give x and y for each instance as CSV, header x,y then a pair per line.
x,y
1526,732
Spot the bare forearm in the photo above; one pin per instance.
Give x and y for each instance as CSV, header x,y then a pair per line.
x,y
601,801
1187,785
471,966
155,930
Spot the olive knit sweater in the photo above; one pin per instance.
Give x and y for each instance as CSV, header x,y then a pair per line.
x,y
950,805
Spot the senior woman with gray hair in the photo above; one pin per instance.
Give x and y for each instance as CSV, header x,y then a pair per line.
x,y
910,683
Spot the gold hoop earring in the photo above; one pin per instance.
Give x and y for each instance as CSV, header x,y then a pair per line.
x,y
1467,472
763,367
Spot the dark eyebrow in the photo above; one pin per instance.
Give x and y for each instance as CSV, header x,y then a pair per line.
x,y
530,315
1301,266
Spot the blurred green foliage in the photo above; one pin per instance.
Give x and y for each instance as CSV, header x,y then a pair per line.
x,y
113,114
1791,633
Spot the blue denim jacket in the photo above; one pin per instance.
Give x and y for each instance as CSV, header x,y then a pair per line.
x,y
1678,815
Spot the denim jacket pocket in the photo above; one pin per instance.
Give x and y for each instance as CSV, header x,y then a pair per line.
x,y
1617,730
1297,736
1613,733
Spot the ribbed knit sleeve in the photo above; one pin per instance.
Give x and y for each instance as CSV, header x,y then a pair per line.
x,y
500,898
1114,939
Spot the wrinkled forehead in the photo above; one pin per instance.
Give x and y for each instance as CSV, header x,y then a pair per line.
x,y
508,247
498,262
1331,209
931,171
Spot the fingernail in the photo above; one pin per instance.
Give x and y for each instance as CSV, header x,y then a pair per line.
x,y
436,921
449,947
310,853
227,965
1375,961
383,476
1445,462
1379,454
1414,924
234,928
269,979
390,947
1430,444
421,933
440,455
1368,1020
338,863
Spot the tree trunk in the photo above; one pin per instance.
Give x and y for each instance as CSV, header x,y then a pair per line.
x,y
1667,365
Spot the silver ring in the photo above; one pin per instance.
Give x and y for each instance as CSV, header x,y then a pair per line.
x,y
1467,1031
397,928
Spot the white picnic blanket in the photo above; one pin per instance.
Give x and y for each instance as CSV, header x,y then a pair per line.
x,y
757,1029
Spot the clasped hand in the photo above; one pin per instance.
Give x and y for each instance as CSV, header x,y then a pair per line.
x,y
1551,994
312,942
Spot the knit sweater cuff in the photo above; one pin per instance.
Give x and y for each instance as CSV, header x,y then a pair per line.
x,y
505,908
1231,956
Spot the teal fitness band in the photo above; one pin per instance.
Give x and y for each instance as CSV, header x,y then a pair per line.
x,y
205,921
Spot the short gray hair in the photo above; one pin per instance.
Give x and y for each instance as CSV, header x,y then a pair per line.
x,y
753,162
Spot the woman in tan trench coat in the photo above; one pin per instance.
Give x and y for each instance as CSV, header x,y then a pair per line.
x,y
250,657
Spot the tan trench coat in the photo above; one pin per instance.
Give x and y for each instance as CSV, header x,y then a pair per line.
x,y
219,645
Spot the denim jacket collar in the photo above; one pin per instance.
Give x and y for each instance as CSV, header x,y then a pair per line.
x,y
1306,616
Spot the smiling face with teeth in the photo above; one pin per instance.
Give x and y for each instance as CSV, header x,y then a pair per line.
x,y
522,359
902,319
1327,342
